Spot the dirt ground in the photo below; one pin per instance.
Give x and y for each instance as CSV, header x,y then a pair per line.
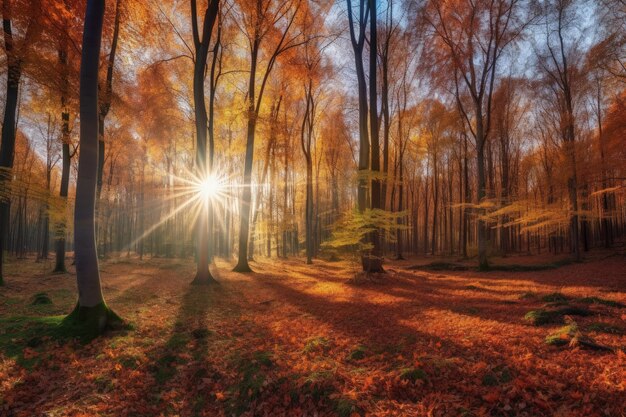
x,y
299,340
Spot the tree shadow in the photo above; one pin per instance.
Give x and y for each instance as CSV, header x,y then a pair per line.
x,y
180,365
385,329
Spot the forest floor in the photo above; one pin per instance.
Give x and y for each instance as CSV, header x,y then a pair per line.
x,y
299,340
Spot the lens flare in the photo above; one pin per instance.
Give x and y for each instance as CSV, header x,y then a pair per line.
x,y
210,187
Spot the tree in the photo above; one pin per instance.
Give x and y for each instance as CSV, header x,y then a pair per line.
x,y
91,314
261,20
107,96
16,52
203,171
371,260
470,37
561,75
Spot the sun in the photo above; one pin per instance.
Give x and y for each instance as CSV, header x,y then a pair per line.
x,y
210,187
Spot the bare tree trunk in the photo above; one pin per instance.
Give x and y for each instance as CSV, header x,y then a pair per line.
x,y
7,149
374,262
203,170
91,310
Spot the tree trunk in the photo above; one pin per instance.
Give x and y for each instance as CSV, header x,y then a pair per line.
x,y
7,149
91,311
246,195
483,263
373,262
203,170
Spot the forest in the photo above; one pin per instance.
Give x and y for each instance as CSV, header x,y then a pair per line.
x,y
313,208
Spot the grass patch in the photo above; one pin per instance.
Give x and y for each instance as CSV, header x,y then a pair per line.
x,y
602,301
412,374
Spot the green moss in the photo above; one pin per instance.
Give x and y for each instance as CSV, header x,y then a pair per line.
x,y
357,353
164,368
412,374
603,301
87,323
19,332
319,384
41,298
129,361
177,341
563,335
253,376
104,384
316,344
490,380
541,316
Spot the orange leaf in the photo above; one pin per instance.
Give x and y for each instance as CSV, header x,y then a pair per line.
x,y
492,396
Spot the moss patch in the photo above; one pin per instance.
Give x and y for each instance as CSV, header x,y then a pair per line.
x,y
253,371
357,353
87,323
563,336
20,332
316,344
41,298
412,374
541,316
555,297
